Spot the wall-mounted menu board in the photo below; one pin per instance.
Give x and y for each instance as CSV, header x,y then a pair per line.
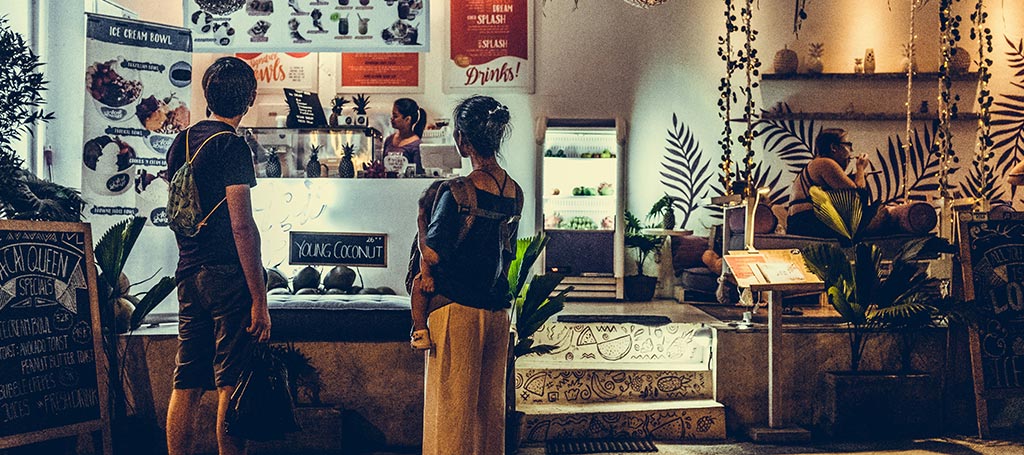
x,y
52,367
309,25
992,252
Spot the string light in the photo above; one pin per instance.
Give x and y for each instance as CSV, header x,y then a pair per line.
x,y
949,28
908,144
983,152
725,51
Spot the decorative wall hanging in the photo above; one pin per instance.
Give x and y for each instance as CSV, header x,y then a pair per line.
x,y
982,183
949,31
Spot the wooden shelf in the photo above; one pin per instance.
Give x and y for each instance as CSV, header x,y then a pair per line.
x,y
972,76
863,116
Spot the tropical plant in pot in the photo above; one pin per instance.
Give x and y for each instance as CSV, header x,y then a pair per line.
x,y
23,196
866,404
534,301
122,311
640,287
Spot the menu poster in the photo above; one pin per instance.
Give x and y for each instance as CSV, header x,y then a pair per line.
x,y
309,25
304,109
138,80
381,72
52,372
490,46
277,70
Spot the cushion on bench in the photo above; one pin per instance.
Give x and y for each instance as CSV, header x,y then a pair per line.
x,y
363,317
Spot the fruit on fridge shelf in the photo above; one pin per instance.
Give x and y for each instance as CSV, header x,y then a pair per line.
x,y
605,189
586,155
553,221
580,223
556,192
608,223
584,191
606,153
560,153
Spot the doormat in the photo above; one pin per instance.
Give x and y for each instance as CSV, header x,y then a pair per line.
x,y
572,446
614,319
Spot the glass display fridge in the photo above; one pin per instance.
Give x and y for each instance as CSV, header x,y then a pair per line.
x,y
581,203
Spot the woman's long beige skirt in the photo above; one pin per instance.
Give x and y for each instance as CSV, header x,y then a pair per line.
x,y
464,406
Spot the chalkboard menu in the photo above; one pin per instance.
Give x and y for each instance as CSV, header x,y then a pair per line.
x,y
304,109
992,252
338,248
51,359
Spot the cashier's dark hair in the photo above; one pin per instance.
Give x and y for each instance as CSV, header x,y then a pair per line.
x,y
408,108
484,122
230,87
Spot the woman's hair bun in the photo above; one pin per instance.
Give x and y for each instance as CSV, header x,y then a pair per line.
x,y
499,114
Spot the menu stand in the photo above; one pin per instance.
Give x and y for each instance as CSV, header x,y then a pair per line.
x,y
779,430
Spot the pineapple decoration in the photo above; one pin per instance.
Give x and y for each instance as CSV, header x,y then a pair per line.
x,y
273,166
814,65
361,102
313,166
346,170
337,107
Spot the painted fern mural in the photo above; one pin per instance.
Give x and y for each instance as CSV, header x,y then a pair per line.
x,y
684,172
921,163
790,140
1008,116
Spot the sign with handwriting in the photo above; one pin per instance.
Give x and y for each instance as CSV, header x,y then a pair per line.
x,y
338,248
52,366
992,252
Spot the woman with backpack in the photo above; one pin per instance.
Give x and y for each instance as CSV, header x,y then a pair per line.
x,y
464,405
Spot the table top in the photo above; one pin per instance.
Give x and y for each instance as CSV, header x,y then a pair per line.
x,y
669,232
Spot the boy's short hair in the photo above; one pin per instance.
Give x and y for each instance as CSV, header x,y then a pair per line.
x,y
229,85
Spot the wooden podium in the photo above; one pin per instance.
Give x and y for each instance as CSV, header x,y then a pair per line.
x,y
774,271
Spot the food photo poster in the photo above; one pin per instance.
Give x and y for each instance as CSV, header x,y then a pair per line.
x,y
224,26
138,79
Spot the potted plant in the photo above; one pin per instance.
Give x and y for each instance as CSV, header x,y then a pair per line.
x,y
361,102
664,208
862,404
23,196
533,304
640,287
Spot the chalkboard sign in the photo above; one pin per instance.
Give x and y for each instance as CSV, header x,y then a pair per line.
x,y
52,367
304,109
992,252
338,248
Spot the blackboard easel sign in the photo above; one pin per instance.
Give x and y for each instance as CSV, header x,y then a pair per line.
x,y
52,366
992,253
338,248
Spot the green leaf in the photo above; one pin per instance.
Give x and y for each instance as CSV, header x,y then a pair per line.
x,y
840,210
151,299
114,247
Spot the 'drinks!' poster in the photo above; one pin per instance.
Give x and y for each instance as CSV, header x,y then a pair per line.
x,y
137,89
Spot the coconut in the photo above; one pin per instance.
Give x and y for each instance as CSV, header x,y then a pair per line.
x,y
369,291
307,291
340,277
334,291
276,279
123,309
279,291
308,277
385,290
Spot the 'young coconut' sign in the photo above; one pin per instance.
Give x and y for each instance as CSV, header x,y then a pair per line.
x,y
338,248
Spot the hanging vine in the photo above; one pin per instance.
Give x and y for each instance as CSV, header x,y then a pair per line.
x,y
983,154
747,58
728,95
949,32
799,14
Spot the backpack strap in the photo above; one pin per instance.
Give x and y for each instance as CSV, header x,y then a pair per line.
x,y
193,158
464,193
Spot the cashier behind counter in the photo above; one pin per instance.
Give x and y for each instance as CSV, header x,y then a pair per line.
x,y
408,119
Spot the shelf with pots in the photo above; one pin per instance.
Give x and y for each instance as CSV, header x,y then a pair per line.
x,y
897,77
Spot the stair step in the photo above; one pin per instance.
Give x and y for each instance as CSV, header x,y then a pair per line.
x,y
677,420
587,386
620,346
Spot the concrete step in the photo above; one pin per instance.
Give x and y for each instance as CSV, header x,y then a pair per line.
x,y
622,346
593,386
666,421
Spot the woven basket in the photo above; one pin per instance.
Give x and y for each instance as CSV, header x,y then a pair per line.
x,y
786,61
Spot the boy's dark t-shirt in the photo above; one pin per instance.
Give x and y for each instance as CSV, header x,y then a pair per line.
x,y
225,160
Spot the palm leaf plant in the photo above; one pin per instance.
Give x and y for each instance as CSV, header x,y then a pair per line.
x,y
533,303
855,280
684,171
642,243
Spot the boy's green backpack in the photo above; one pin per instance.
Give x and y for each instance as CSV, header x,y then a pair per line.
x,y
184,213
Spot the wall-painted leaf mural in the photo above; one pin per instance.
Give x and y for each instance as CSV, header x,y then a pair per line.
x,y
922,167
765,176
684,172
1008,116
791,140
986,185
